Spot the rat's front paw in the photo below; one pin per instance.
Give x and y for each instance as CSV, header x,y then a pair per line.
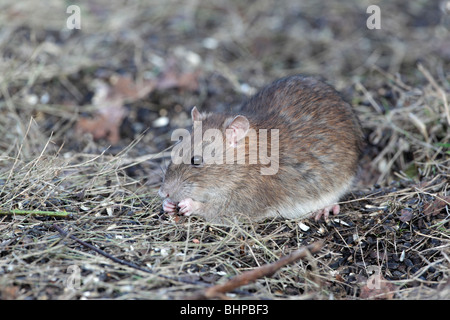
x,y
325,212
169,206
188,206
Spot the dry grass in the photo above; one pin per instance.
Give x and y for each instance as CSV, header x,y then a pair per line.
x,y
47,76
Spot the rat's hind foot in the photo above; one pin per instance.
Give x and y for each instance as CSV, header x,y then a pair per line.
x,y
325,212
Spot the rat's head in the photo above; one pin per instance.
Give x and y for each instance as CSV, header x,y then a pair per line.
x,y
200,168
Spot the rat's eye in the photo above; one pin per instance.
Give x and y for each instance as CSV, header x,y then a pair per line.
x,y
196,160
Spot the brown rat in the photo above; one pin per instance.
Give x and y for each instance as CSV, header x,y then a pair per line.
x,y
307,164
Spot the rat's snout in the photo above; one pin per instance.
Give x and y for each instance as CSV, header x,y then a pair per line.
x,y
168,205
170,189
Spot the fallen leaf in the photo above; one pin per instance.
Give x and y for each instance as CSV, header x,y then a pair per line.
x,y
9,293
174,77
406,215
339,278
123,86
434,207
378,288
104,124
111,97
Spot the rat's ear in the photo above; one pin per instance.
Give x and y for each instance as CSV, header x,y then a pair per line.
x,y
237,130
195,114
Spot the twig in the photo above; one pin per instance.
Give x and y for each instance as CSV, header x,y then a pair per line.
x,y
369,97
99,251
439,90
127,263
58,214
250,276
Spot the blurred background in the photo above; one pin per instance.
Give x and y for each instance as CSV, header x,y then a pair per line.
x,y
138,67
86,116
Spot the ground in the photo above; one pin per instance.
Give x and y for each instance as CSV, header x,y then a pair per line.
x,y
86,116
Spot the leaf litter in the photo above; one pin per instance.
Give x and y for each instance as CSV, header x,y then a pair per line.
x,y
80,133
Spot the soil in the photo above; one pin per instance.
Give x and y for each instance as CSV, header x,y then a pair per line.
x,y
86,117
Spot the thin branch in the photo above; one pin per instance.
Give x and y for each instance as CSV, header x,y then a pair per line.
x,y
124,262
99,251
57,214
266,270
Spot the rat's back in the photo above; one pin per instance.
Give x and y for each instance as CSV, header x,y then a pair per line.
x,y
319,144
320,139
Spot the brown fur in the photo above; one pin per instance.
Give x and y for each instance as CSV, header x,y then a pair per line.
x,y
320,142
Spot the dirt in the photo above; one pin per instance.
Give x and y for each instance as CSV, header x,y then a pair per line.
x,y
86,116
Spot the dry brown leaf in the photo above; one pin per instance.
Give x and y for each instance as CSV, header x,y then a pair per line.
x,y
105,124
124,86
406,215
110,99
9,293
339,278
174,77
434,207
378,288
